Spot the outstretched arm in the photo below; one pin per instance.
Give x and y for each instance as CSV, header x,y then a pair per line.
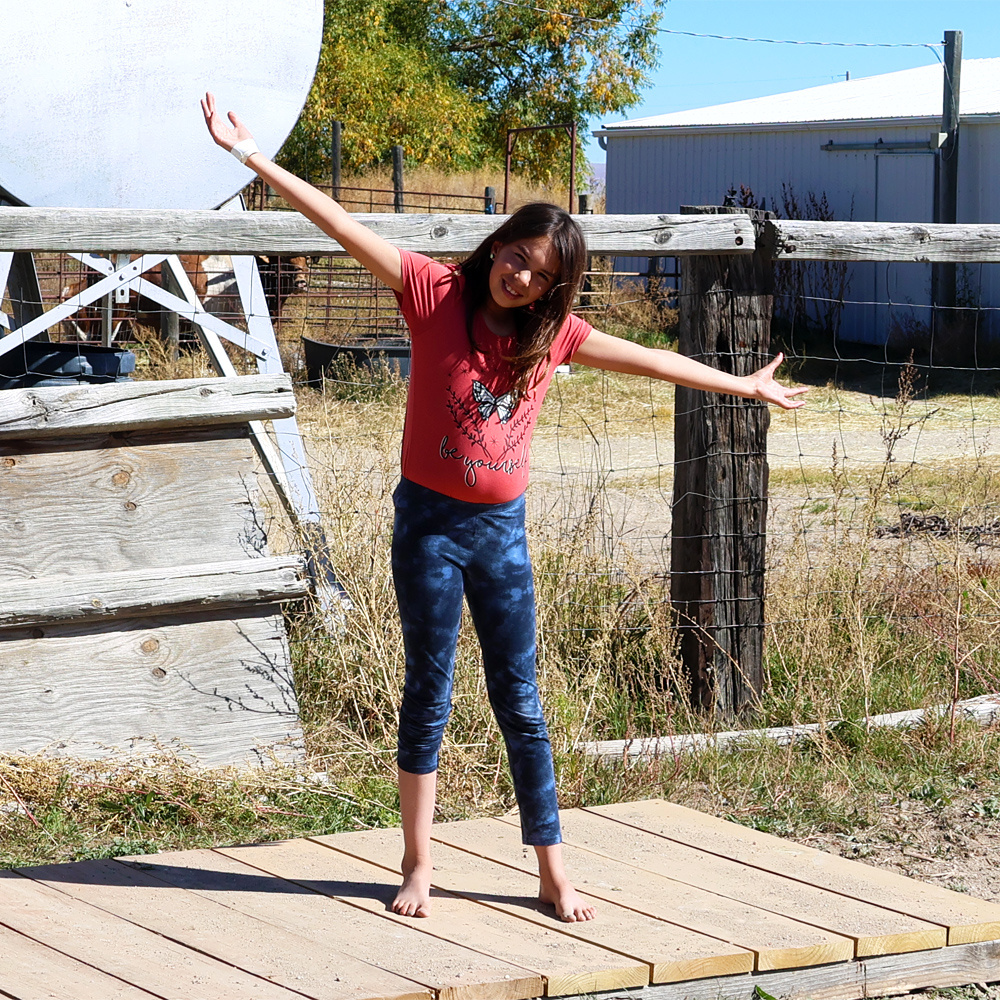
x,y
600,350
368,249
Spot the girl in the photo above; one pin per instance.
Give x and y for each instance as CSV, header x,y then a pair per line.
x,y
485,339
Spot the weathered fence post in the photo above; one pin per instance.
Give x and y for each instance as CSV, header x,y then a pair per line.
x,y
720,478
336,158
490,201
397,178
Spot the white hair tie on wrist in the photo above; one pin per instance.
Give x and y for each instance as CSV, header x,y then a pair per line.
x,y
244,150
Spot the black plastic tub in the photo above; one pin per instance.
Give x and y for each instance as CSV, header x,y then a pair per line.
x,y
36,363
391,354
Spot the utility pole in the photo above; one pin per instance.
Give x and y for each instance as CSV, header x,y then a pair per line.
x,y
946,209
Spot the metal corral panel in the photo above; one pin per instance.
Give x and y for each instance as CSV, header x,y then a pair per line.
x,y
659,172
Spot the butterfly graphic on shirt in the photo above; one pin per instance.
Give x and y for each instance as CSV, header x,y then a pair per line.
x,y
488,404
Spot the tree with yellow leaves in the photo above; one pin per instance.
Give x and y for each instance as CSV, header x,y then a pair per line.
x,y
447,78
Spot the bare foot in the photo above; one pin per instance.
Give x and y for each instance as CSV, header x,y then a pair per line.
x,y
414,896
570,905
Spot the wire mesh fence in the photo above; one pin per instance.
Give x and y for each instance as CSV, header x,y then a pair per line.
x,y
882,575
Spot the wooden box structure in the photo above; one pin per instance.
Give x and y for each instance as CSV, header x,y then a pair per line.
x,y
138,602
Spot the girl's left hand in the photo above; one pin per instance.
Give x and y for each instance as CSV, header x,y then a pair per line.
x,y
766,389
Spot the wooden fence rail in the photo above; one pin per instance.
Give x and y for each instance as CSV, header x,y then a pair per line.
x,y
183,231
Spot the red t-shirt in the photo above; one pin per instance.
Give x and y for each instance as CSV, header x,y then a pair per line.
x,y
465,434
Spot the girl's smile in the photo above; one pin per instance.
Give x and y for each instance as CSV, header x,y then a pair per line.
x,y
522,273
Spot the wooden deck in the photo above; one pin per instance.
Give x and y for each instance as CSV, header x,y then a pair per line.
x,y
689,907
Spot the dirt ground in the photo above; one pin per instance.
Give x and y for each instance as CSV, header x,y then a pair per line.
x,y
956,847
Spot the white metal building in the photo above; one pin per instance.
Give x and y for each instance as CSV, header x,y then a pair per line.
x,y
869,145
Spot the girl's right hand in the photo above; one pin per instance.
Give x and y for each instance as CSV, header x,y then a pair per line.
x,y
367,248
224,135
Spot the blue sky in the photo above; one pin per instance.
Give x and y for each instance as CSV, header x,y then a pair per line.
x,y
697,72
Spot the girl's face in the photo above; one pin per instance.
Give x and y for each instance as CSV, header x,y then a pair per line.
x,y
522,272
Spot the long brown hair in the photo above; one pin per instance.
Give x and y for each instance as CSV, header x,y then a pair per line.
x,y
536,325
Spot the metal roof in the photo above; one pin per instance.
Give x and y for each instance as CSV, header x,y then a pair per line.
x,y
909,93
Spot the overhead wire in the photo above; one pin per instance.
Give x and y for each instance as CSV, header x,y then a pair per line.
x,y
933,46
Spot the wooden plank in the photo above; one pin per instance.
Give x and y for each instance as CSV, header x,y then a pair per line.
x,y
887,975
147,501
144,592
568,965
56,411
451,971
294,908
778,942
672,953
32,971
874,929
254,945
794,239
984,710
206,685
185,231
137,956
967,919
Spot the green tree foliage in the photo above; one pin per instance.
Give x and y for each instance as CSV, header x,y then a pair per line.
x,y
542,62
447,78
377,75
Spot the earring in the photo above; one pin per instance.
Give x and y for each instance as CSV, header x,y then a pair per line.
x,y
492,255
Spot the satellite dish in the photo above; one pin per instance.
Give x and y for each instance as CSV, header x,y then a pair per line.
x,y
99,98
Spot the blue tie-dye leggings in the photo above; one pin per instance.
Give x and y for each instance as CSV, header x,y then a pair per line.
x,y
442,548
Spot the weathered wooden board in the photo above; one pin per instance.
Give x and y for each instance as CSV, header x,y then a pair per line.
x,y
672,953
180,231
568,965
58,411
968,920
777,941
137,956
74,506
984,710
887,975
874,929
172,590
794,239
205,685
32,971
254,945
454,972
137,595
